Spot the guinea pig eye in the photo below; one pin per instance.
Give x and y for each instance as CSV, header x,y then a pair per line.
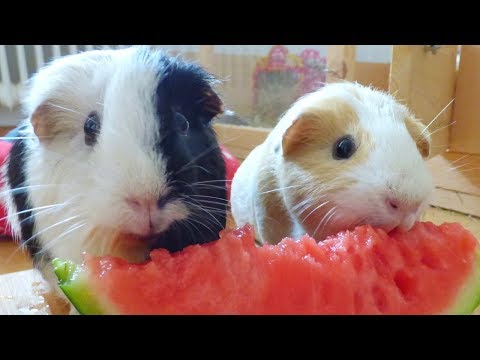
x,y
344,148
182,124
91,128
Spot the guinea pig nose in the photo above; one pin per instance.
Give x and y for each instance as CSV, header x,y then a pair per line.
x,y
134,203
393,203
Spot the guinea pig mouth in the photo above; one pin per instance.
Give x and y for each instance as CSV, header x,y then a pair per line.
x,y
136,248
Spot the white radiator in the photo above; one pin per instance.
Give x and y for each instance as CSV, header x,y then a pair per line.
x,y
19,62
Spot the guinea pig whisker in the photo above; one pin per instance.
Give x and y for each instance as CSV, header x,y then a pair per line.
x,y
28,210
214,209
23,245
311,212
205,210
198,222
206,186
437,116
191,167
357,222
460,158
306,203
66,109
185,225
457,167
210,209
465,170
300,208
201,184
202,201
20,190
52,243
208,197
17,137
42,208
203,153
325,220
50,209
280,189
441,128
210,181
52,226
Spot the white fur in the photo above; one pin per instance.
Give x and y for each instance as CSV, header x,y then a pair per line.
x,y
394,167
90,185
393,161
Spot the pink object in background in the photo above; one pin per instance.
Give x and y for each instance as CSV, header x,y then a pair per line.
x,y
314,74
4,229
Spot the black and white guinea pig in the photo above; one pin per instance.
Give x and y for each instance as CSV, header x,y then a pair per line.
x,y
116,156
339,157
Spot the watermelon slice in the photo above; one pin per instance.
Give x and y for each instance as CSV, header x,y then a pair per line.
x,y
429,270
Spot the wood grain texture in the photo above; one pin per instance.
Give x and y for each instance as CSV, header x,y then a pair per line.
x,y
372,74
341,62
457,172
26,293
425,82
12,257
465,132
240,140
464,203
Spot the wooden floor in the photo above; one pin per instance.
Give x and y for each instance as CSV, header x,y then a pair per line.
x,y
12,259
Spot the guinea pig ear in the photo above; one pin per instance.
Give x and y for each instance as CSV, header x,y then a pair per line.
x,y
420,135
298,133
212,102
40,121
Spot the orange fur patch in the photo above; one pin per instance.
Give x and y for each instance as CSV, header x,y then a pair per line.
x,y
40,122
420,135
309,158
52,118
309,168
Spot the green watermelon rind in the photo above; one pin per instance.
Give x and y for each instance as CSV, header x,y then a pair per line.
x,y
469,297
73,281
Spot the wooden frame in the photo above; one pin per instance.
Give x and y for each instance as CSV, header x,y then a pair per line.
x,y
426,81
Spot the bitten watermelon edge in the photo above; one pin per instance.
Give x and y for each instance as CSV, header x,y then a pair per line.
x,y
300,259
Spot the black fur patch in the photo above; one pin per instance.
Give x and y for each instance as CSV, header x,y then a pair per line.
x,y
16,180
195,166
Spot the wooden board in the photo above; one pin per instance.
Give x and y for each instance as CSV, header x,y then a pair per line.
x,y
426,83
12,258
26,293
465,203
457,180
240,140
456,171
465,132
341,62
374,74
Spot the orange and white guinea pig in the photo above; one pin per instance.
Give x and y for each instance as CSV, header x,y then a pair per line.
x,y
342,156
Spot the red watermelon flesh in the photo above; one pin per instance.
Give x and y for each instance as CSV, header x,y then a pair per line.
x,y
429,270
231,166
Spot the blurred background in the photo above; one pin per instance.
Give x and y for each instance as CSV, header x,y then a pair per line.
x,y
259,81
